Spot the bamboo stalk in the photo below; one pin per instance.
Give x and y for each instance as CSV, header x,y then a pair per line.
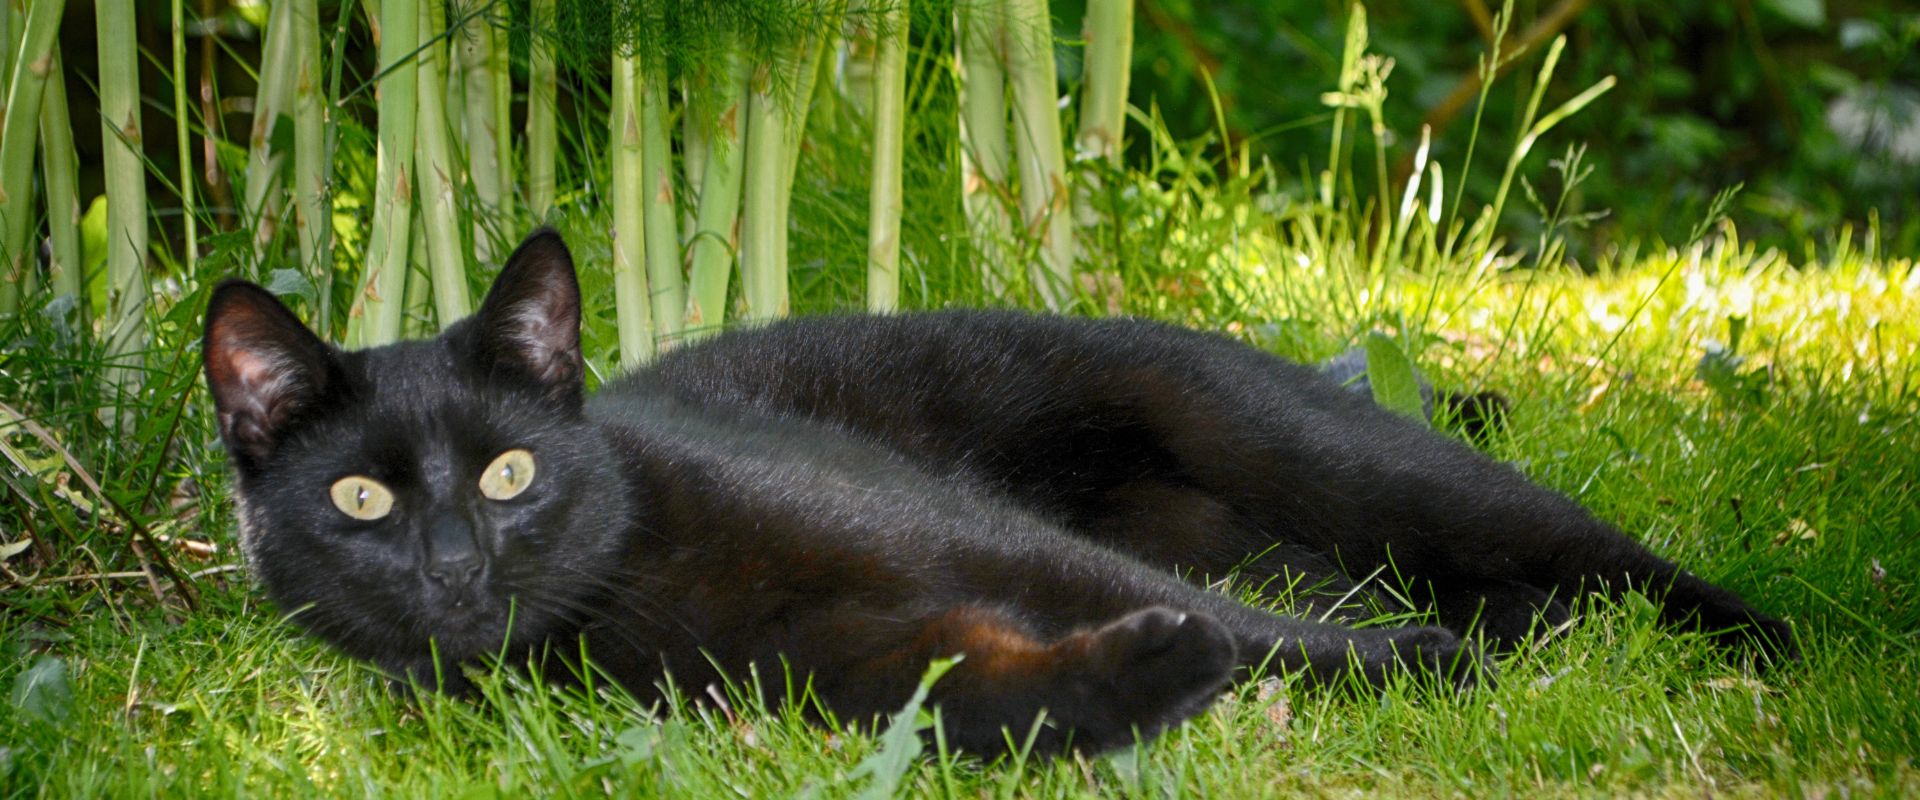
x,y
419,291
802,108
189,215
312,164
501,67
125,179
543,91
859,53
1108,30
696,127
668,290
762,219
716,238
980,65
376,314
1041,157
59,166
884,204
213,130
484,127
805,99
437,176
631,304
18,134
269,100
1103,107
10,22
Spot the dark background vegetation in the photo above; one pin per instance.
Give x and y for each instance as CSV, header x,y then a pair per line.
x,y
1813,104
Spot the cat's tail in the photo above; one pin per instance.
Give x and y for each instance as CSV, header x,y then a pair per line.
x,y
1609,563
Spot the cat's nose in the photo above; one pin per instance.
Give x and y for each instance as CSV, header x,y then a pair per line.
x,y
453,557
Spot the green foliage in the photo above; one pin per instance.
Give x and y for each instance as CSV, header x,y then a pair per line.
x,y
1815,106
1390,374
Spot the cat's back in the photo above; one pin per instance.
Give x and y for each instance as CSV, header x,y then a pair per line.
x,y
960,364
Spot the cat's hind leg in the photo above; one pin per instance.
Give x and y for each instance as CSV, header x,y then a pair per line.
x,y
1505,613
1091,689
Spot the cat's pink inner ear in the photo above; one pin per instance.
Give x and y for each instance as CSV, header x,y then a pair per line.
x,y
534,310
256,390
545,330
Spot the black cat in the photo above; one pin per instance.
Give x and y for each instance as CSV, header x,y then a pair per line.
x,y
851,497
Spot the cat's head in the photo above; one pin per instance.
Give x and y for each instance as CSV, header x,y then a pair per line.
x,y
443,495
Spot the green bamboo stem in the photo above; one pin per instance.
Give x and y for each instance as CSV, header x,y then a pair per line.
x,y
18,134
668,290
188,213
262,195
627,154
437,175
980,65
60,167
419,291
762,219
125,179
313,218
484,127
377,305
1041,157
10,22
811,56
774,127
716,237
543,92
859,56
696,127
884,204
501,67
1108,30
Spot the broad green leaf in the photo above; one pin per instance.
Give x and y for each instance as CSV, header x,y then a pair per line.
x,y
1805,13
287,282
1390,373
900,743
41,690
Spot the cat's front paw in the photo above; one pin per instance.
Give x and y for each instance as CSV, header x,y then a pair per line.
x,y
1153,668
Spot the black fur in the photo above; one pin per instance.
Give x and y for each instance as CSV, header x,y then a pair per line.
x,y
851,497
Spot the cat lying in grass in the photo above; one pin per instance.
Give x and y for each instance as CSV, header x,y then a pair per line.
x,y
852,497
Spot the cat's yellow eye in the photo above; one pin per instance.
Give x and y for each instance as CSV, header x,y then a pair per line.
x,y
361,497
509,475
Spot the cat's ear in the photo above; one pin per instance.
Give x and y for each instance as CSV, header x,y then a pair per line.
x,y
530,322
263,366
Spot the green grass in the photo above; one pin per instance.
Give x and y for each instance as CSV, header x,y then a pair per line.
x,y
1783,468
1794,484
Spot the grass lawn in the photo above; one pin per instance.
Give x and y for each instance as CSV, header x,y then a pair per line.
x,y
1784,468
